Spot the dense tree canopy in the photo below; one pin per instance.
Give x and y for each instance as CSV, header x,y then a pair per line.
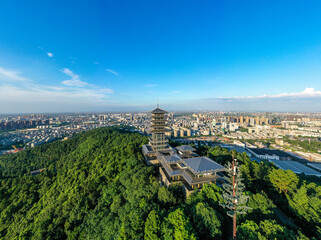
x,y
97,186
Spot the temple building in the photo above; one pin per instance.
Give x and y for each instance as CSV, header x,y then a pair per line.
x,y
180,164
158,140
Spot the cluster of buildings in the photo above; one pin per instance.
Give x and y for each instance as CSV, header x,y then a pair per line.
x,y
268,125
19,124
243,132
183,164
180,164
245,129
42,134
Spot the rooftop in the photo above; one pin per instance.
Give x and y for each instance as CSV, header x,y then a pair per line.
x,y
296,167
147,149
158,110
200,165
172,159
263,151
184,148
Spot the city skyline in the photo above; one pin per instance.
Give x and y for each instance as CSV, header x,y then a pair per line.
x,y
122,56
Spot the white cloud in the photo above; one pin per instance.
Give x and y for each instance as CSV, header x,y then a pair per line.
x,y
30,96
39,94
106,90
75,81
306,93
307,100
151,85
96,63
49,54
8,75
175,92
112,71
70,73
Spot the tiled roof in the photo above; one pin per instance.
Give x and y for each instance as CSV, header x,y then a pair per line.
x,y
202,164
173,158
185,148
158,110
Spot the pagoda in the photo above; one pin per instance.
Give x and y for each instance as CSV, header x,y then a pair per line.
x,y
158,140
180,164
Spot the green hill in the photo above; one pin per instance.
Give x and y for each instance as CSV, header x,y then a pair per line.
x,y
97,186
94,186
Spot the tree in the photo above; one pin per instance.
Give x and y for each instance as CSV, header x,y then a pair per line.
x,y
272,230
178,226
152,226
284,181
249,231
165,196
261,207
234,199
207,221
267,229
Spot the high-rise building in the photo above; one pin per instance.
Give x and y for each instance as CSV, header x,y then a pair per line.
x,y
182,133
247,119
175,131
257,120
189,132
241,119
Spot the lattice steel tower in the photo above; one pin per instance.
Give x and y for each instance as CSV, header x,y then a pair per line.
x,y
158,140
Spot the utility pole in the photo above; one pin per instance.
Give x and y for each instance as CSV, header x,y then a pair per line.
x,y
234,199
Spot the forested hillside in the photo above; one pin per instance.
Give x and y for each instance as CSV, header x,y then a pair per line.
x,y
97,186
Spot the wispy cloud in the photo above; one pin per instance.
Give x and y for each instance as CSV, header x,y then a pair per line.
x,y
9,75
42,93
106,90
112,71
49,54
306,93
31,96
96,63
175,92
70,73
74,81
151,85
307,100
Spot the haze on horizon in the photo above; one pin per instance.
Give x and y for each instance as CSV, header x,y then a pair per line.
x,y
79,56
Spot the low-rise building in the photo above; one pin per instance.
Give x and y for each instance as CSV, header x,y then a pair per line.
x,y
269,154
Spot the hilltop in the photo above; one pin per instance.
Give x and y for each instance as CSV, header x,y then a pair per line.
x,y
98,186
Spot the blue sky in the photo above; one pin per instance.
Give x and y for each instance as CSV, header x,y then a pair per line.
x,y
58,56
